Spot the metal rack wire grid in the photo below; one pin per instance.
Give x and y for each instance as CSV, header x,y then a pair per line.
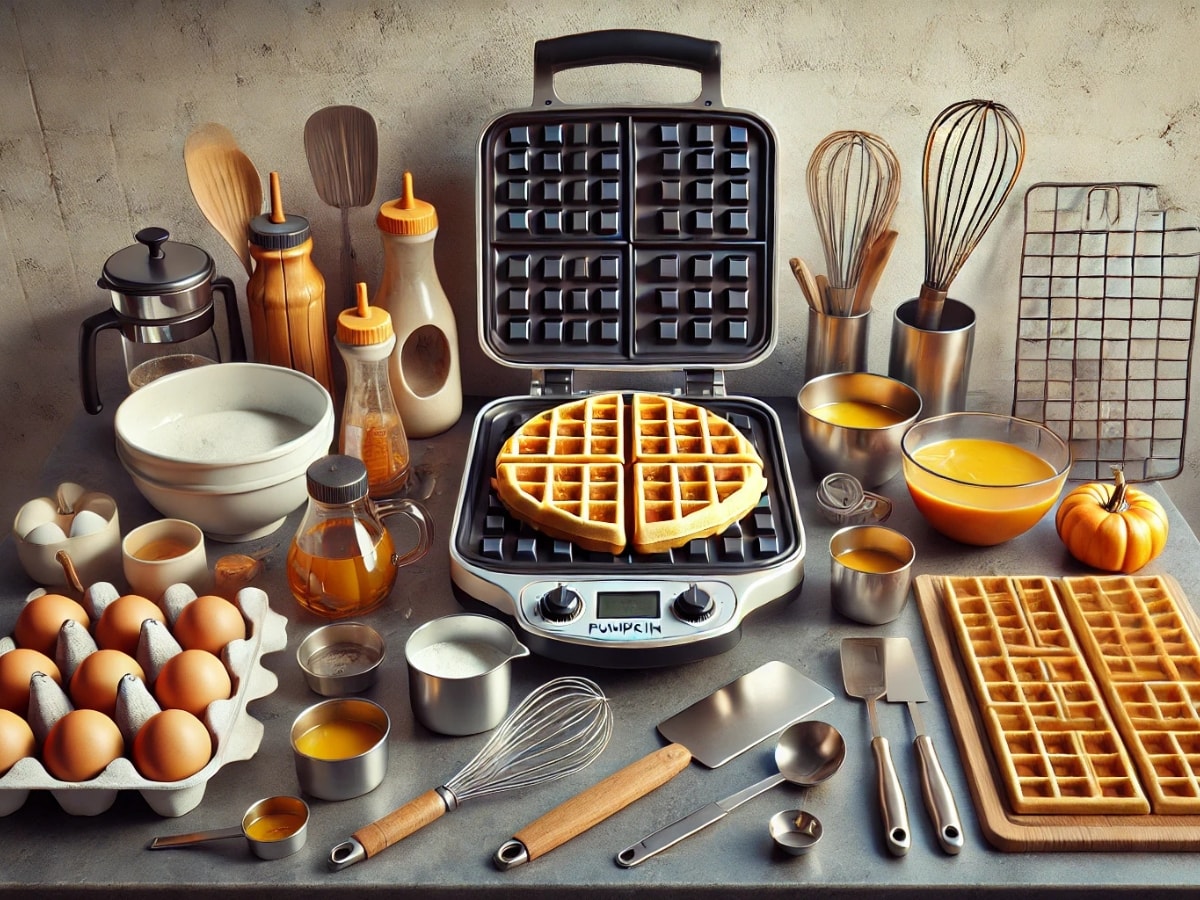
x,y
1105,326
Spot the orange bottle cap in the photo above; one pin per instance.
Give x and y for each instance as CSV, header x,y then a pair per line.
x,y
364,324
406,214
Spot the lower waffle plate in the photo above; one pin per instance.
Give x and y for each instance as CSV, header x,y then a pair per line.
x,y
1035,757
488,537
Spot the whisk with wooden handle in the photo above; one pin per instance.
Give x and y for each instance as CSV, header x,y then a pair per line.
x,y
853,185
973,155
560,728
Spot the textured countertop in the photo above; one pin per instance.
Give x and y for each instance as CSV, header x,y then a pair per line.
x,y
45,850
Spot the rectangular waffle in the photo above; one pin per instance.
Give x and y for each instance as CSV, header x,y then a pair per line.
x,y
1147,662
1056,744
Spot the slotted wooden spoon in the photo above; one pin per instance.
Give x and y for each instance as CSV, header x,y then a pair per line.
x,y
226,185
342,146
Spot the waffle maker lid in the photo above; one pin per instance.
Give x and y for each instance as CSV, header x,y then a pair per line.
x,y
627,236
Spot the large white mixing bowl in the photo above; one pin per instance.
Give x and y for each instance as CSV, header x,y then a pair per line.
x,y
229,424
225,446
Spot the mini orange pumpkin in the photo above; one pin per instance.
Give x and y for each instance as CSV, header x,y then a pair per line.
x,y
1114,527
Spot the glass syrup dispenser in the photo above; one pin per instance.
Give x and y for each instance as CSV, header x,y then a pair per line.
x,y
342,560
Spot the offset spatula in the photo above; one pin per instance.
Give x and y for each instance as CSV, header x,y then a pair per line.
x,y
904,686
864,676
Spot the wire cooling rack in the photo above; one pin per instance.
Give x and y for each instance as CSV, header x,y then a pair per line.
x,y
1105,323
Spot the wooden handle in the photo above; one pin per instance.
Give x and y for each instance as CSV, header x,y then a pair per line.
x,y
400,823
603,799
929,307
877,259
822,282
808,285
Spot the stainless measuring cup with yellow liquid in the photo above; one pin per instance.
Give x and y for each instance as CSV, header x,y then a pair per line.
x,y
274,827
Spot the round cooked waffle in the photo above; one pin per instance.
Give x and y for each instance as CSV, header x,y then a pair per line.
x,y
653,474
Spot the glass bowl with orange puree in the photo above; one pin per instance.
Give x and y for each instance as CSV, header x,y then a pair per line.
x,y
982,478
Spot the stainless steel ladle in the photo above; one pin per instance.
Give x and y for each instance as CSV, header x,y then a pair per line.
x,y
806,754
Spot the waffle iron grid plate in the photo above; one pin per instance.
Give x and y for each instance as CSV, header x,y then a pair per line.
x,y
626,236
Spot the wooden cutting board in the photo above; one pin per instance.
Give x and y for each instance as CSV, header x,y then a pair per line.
x,y
1010,831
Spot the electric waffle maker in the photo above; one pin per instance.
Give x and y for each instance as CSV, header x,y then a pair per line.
x,y
626,238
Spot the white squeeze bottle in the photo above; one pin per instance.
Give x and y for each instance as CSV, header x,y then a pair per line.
x,y
423,368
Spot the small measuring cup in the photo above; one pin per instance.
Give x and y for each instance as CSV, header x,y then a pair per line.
x,y
795,831
274,827
459,672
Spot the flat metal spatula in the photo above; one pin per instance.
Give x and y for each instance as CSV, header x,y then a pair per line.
x,y
904,685
864,676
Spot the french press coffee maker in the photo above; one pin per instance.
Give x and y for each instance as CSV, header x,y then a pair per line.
x,y
162,304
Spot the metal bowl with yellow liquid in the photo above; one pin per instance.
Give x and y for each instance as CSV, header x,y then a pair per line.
x,y
853,422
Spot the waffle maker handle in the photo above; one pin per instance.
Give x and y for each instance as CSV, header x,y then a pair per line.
x,y
626,46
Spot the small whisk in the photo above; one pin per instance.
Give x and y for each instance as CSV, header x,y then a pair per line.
x,y
973,154
853,186
560,728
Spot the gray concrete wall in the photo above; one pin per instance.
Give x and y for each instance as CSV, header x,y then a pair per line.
x,y
96,99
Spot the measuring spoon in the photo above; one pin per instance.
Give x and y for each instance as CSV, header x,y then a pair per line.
x,y
274,828
806,754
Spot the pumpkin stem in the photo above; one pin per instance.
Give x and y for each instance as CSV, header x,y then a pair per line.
x,y
1116,503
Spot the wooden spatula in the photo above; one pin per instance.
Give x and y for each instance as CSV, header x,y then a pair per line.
x,y
226,185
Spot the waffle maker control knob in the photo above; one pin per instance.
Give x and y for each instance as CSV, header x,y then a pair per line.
x,y
560,604
694,605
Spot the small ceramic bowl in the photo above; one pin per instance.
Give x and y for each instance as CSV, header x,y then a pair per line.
x,y
341,658
83,523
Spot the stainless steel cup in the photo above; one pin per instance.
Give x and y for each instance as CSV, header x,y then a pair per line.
x,y
274,827
870,454
341,658
936,363
877,596
459,672
332,776
836,344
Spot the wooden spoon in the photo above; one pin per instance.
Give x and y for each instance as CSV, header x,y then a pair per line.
x,y
226,185
808,284
342,146
876,260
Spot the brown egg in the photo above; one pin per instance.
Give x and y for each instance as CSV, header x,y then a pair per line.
x,y
191,680
16,668
16,740
94,684
172,745
81,744
209,623
41,618
121,622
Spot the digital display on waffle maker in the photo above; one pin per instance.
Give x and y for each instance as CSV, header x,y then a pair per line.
x,y
627,605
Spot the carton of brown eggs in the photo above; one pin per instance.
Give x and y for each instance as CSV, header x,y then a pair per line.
x,y
227,732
